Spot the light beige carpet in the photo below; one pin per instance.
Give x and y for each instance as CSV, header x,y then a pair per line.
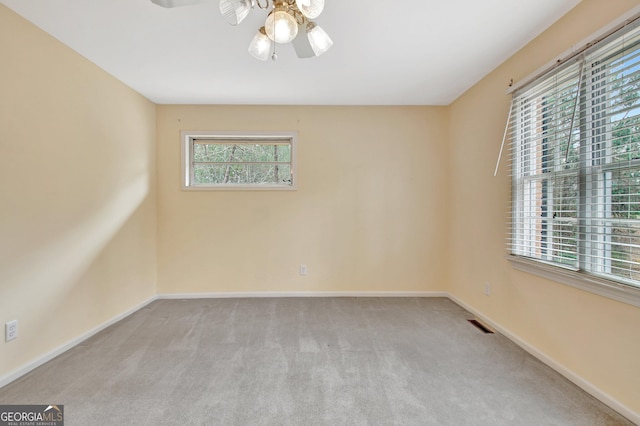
x,y
334,361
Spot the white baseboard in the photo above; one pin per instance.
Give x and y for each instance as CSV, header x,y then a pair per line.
x,y
585,385
16,374
268,294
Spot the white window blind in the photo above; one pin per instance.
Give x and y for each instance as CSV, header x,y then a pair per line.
x,y
575,161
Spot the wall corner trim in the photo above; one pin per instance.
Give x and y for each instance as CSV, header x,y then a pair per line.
x,y
274,294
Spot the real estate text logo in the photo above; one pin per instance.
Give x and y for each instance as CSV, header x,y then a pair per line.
x,y
31,415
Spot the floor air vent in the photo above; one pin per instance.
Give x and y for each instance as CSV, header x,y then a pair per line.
x,y
480,326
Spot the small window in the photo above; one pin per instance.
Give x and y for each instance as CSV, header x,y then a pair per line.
x,y
216,160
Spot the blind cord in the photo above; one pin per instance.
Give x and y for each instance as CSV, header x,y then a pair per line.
x,y
504,138
575,108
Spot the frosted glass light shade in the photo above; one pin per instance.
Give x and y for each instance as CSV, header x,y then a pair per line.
x,y
281,27
234,11
310,8
319,39
260,45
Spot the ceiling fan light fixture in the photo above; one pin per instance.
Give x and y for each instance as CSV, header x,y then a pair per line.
x,y
280,26
318,38
234,11
288,21
260,46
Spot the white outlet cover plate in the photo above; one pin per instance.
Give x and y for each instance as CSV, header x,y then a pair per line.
x,y
11,330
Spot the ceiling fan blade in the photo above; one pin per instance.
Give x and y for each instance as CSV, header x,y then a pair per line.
x,y
176,3
302,45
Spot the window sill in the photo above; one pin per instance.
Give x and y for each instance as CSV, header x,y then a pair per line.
x,y
587,282
239,188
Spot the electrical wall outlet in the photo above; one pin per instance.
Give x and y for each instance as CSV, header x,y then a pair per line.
x,y
10,330
303,269
487,289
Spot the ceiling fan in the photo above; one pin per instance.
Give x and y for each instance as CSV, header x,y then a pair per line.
x,y
288,21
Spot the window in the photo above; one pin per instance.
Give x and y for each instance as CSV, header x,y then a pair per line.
x,y
216,160
576,164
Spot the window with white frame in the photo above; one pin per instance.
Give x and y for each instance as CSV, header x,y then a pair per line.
x,y
227,160
575,156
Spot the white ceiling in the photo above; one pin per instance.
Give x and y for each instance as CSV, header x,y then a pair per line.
x,y
386,52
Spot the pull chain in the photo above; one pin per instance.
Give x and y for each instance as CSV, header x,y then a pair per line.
x,y
274,56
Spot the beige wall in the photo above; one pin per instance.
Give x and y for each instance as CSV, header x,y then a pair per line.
x,y
597,338
369,213
77,197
